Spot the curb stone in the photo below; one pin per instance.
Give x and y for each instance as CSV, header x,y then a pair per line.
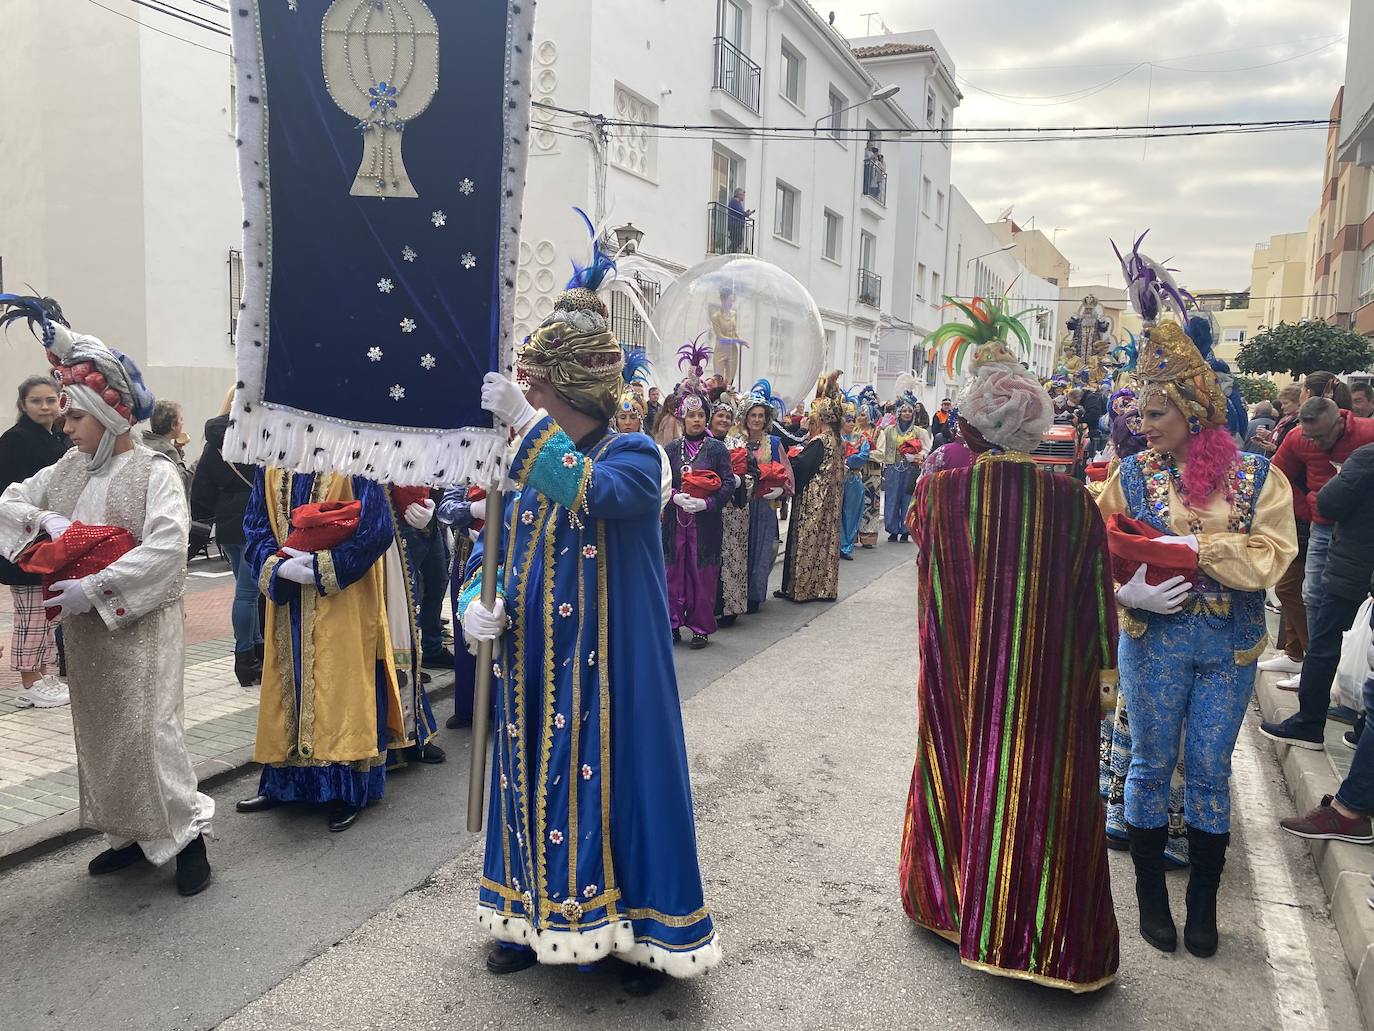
x,y
1344,869
38,839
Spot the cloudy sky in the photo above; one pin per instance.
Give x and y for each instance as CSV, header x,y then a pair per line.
x,y
1207,200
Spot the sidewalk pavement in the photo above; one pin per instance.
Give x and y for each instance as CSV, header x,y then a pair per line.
x,y
39,809
1344,869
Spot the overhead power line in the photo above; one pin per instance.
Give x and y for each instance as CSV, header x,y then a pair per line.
x,y
171,11
160,32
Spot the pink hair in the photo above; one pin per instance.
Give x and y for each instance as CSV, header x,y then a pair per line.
x,y
1212,457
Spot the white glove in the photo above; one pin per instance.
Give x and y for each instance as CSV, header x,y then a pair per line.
x,y
506,401
689,504
481,624
738,481
71,598
478,510
54,525
1190,540
299,568
774,494
420,514
913,459
1166,598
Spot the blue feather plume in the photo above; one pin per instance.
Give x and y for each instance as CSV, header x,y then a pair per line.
x,y
637,365
39,312
591,276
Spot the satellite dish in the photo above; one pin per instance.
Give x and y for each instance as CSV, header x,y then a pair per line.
x,y
1006,214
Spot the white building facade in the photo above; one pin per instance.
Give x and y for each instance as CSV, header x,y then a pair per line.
x,y
981,265
121,193
785,110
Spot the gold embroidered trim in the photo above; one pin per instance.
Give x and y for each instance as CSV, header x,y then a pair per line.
x,y
575,718
305,739
329,579
989,457
667,919
1131,626
546,736
603,675
1249,655
521,472
521,763
265,577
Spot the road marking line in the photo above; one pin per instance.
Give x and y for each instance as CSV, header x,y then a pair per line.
x,y
1297,994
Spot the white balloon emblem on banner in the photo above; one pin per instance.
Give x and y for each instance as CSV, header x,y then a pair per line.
x,y
381,65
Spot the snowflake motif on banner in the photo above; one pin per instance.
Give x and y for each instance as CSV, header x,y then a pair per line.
x,y
466,187
469,261
408,253
385,286
407,325
397,392
293,5
439,219
427,362
374,354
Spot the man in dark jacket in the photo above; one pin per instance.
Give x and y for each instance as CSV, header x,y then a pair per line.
x,y
1347,501
219,496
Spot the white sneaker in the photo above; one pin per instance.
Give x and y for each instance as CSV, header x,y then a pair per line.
x,y
49,693
1281,664
24,699
1290,683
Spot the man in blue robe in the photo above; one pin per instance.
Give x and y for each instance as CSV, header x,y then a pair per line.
x,y
591,844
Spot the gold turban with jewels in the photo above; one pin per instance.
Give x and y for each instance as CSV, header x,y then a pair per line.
x,y
575,352
828,406
1170,363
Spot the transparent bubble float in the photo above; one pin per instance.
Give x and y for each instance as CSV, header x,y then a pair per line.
x,y
742,298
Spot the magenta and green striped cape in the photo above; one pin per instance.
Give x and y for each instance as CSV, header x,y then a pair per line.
x,y
1003,851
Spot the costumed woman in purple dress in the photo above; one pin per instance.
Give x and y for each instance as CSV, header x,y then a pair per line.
x,y
692,527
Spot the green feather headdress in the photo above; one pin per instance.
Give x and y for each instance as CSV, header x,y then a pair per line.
x,y
989,329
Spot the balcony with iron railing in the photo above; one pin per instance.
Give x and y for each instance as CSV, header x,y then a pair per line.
x,y
728,232
736,75
870,288
875,180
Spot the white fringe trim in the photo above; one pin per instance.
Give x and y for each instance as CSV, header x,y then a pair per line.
x,y
262,435
615,940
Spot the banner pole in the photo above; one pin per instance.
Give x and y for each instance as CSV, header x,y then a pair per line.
x,y
481,696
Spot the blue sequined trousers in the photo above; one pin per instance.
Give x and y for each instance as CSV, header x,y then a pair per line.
x,y
1181,670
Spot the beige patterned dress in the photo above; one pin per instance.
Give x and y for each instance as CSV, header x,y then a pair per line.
x,y
811,569
734,548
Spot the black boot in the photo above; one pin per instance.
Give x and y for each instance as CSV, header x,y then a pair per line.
x,y
1207,853
247,669
1151,893
113,859
504,960
193,868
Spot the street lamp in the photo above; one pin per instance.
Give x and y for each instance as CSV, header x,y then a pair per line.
x,y
627,238
877,94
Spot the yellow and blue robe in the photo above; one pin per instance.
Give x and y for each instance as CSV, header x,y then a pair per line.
x,y
330,704
591,844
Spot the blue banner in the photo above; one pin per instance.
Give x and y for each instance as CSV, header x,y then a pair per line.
x,y
382,163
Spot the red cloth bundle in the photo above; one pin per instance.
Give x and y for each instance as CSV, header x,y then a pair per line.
x,y
795,450
407,496
477,494
771,476
1133,544
739,460
910,446
323,526
82,551
1097,471
700,483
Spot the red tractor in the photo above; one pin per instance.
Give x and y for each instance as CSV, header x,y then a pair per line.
x,y
1063,449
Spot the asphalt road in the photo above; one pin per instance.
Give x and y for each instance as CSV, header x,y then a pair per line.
x,y
125,952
